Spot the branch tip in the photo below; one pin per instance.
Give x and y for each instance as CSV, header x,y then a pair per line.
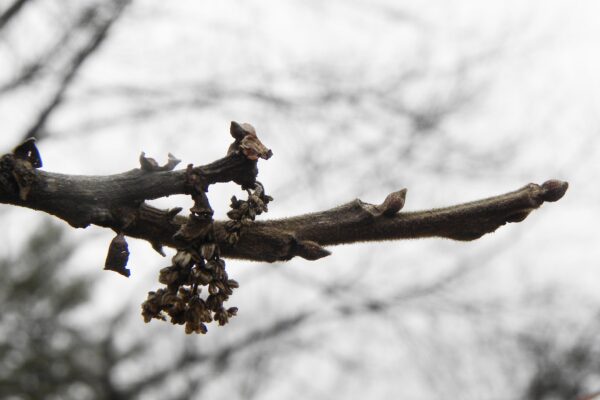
x,y
554,190
246,141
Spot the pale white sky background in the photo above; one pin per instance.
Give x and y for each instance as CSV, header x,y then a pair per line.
x,y
173,74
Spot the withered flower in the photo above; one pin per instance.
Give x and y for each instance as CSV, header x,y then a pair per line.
x,y
197,263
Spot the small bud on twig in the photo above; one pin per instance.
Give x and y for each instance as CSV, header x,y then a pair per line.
x,y
118,255
393,203
29,152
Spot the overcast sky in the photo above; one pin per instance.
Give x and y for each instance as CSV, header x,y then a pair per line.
x,y
173,74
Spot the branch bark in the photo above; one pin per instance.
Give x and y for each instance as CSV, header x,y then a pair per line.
x,y
117,202
358,221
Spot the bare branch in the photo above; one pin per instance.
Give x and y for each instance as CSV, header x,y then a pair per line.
x,y
117,202
358,221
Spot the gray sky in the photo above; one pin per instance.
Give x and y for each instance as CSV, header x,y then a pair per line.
x,y
173,74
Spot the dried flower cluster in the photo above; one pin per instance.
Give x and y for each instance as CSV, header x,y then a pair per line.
x,y
197,262
244,212
182,298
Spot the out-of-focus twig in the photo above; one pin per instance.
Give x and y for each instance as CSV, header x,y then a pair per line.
x,y
97,38
12,11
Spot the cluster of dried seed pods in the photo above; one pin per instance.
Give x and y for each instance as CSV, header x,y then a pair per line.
x,y
244,212
197,263
182,299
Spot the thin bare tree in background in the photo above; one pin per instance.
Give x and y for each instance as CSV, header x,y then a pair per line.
x,y
44,353
64,57
564,358
11,11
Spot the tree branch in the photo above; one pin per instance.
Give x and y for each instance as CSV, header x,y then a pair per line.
x,y
117,202
101,32
11,12
360,222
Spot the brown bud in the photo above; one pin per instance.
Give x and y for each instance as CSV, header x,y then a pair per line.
x,y
554,190
28,151
310,250
393,203
118,255
237,131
